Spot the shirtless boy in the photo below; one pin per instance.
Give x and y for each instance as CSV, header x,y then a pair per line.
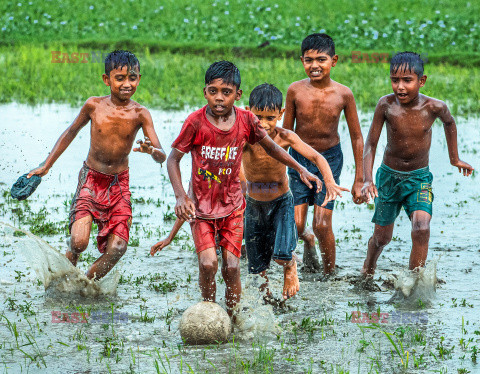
x,y
103,194
404,178
270,229
314,105
215,135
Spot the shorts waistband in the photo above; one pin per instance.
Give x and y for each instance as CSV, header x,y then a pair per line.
x,y
333,150
106,176
405,173
259,202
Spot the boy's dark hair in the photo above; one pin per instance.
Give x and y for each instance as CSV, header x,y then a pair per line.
x,y
119,59
409,60
266,97
319,42
224,70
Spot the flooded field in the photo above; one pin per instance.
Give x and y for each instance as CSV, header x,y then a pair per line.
x,y
132,326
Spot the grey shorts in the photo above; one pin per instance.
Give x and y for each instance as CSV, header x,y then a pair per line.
x,y
270,231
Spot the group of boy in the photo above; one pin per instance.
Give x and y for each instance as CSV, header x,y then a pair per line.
x,y
232,147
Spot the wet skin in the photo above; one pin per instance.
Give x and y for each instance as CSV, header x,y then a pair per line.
x,y
267,178
314,106
260,168
409,117
115,121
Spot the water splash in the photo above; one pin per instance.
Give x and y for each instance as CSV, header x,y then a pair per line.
x,y
255,319
57,274
411,286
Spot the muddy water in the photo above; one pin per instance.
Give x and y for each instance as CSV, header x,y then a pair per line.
x,y
136,330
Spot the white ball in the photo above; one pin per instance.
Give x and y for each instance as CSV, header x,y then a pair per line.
x,y
205,323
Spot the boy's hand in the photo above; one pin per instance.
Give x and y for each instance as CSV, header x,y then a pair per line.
x,y
41,170
159,246
145,146
369,191
333,191
185,209
357,195
308,177
463,167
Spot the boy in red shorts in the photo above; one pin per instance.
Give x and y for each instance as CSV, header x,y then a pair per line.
x,y
103,192
215,135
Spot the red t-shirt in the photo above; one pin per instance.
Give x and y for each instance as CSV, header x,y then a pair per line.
x,y
216,160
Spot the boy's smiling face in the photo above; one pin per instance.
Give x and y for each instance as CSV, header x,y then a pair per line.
x,y
123,82
221,96
318,64
406,84
268,117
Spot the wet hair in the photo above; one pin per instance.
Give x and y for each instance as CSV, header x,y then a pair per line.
x,y
266,97
119,59
409,61
226,71
319,42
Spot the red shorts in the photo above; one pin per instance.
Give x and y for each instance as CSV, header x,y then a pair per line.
x,y
229,230
107,199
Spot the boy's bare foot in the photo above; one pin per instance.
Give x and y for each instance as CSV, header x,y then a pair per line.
x,y
291,285
311,263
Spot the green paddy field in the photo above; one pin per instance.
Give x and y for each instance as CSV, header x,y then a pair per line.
x,y
177,40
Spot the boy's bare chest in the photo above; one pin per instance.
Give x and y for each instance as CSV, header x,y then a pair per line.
x,y
115,123
256,160
411,124
318,105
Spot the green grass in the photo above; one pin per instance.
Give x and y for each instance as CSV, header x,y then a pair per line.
x,y
427,26
175,81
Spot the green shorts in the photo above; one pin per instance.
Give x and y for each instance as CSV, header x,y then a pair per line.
x,y
411,189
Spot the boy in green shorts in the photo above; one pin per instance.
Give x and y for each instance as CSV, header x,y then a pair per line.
x,y
404,178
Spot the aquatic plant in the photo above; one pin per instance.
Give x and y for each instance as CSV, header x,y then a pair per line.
x,y
395,340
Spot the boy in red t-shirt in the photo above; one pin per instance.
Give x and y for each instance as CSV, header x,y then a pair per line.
x,y
215,135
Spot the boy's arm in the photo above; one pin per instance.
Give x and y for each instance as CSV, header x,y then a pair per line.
x,y
451,135
279,154
289,116
163,243
184,208
333,190
369,190
151,145
65,139
357,145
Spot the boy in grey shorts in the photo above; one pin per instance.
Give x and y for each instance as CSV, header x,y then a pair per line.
x,y
270,229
